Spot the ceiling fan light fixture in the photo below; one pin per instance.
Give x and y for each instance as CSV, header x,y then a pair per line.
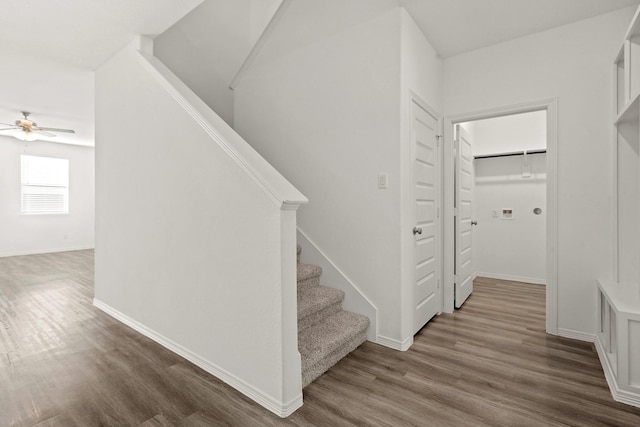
x,y
25,136
28,130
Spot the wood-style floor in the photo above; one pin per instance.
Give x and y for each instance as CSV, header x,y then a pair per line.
x,y
65,363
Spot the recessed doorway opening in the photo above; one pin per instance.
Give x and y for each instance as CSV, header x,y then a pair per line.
x,y
509,196
501,209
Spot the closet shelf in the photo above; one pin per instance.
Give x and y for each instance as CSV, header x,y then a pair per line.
x,y
630,112
512,153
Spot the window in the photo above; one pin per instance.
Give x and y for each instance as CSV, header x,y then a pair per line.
x,y
45,185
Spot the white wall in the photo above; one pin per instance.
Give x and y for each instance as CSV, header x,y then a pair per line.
x,y
573,64
207,47
628,186
516,132
192,247
326,116
510,249
27,234
261,12
322,104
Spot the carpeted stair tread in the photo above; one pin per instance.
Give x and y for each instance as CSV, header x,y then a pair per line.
x,y
339,331
307,271
326,333
316,303
316,298
308,274
323,365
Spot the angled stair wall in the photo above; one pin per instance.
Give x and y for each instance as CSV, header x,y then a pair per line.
x,y
355,299
182,201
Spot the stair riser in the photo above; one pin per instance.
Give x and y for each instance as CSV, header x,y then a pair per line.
x,y
311,281
310,373
318,316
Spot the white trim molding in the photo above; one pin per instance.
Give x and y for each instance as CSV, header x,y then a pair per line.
x,y
533,280
269,180
46,251
395,344
282,409
618,394
576,335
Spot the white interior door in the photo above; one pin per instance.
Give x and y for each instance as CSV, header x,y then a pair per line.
x,y
426,231
463,187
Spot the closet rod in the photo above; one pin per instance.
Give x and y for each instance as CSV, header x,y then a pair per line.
x,y
515,153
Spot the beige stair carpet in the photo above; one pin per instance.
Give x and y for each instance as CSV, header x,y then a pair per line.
x,y
326,333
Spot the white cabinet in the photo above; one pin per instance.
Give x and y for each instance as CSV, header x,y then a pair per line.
x,y
618,338
618,311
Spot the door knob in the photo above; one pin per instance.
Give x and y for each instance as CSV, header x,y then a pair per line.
x,y
474,222
417,230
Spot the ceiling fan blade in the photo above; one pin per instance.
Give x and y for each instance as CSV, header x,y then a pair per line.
x,y
7,124
13,128
45,133
57,130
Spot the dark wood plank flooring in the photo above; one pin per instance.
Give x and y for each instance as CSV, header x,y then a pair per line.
x,y
65,363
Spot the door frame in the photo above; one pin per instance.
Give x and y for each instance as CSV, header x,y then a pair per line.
x,y
409,218
551,107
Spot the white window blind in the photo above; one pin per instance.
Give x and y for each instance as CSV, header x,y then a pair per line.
x,y
45,185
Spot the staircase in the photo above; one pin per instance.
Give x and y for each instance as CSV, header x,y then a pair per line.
x,y
326,333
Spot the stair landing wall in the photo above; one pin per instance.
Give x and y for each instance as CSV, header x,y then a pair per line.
x,y
195,233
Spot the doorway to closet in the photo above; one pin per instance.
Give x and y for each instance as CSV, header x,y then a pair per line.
x,y
508,196
513,202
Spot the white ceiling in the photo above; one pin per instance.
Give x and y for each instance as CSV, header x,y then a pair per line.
x,y
79,35
49,50
84,33
456,26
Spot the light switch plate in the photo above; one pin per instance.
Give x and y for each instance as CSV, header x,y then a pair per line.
x,y
383,180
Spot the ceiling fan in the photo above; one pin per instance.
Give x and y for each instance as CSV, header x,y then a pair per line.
x,y
28,130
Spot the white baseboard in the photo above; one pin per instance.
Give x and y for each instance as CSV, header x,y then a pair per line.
x,y
395,344
282,409
576,335
618,395
44,251
512,278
